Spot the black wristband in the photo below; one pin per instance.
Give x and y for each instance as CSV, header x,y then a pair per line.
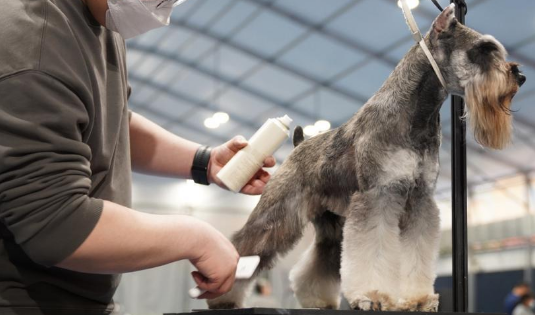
x,y
199,169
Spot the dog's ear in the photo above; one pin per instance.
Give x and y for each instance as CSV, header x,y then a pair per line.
x,y
298,136
444,21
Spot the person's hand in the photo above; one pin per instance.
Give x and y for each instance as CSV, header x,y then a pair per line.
x,y
216,262
223,153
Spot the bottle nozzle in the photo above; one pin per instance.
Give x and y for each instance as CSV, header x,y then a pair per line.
x,y
286,120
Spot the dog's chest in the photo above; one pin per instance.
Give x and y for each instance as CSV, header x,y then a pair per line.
x,y
429,167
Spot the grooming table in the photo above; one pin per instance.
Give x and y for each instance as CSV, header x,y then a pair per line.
x,y
279,311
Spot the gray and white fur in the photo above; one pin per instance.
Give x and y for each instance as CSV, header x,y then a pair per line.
x,y
368,185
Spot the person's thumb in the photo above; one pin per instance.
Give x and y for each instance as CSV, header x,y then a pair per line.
x,y
204,282
199,279
237,143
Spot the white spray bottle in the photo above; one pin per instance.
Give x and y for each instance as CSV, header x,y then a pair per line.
x,y
242,167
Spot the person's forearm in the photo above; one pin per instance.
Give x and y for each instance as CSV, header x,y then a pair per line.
x,y
125,240
156,151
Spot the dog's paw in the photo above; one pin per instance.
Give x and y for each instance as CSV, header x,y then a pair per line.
x,y
374,301
426,303
361,303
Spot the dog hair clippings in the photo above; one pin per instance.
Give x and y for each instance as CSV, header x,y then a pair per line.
x,y
417,36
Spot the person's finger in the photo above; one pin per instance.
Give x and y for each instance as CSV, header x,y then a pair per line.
x,y
237,143
210,286
227,285
206,283
252,191
257,183
270,161
216,290
255,187
198,277
263,176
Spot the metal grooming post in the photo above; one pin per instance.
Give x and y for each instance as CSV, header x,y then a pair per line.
x,y
459,192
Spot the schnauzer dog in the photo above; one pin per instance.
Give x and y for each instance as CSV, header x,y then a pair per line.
x,y
368,185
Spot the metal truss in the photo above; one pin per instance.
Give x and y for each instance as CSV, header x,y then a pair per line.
x,y
161,88
226,80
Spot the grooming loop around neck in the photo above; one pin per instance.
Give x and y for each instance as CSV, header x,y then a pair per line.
x,y
417,36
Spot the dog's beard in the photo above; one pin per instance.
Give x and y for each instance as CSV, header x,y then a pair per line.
x,y
488,99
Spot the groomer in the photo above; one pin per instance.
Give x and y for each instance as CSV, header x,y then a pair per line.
x,y
68,144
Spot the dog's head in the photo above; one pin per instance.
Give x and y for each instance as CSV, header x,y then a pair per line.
x,y
475,67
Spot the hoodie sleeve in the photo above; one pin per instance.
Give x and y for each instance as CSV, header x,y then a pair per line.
x,y
44,167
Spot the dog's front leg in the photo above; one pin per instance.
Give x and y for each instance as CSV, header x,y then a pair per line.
x,y
420,233
371,247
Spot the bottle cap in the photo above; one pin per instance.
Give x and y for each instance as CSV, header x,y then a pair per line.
x,y
285,120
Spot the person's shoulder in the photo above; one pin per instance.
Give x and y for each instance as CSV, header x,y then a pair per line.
x,y
22,23
36,35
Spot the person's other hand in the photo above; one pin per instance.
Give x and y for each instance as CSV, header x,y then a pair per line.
x,y
223,153
216,261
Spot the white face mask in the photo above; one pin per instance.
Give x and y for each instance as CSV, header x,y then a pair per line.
x,y
135,17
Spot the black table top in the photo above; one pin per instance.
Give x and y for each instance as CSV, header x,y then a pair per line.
x,y
279,311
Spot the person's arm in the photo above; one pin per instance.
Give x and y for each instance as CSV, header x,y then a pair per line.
x,y
124,240
157,151
45,207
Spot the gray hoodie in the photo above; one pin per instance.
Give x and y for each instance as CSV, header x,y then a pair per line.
x,y
64,147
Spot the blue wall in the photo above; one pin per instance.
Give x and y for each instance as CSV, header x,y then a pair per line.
x,y
491,289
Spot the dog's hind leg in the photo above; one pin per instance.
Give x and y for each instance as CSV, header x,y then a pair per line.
x,y
273,228
316,277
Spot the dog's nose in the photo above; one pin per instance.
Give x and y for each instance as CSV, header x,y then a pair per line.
x,y
521,78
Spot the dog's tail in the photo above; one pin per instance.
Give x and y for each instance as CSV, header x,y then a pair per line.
x,y
273,228
298,136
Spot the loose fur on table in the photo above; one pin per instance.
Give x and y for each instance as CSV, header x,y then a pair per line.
x,y
367,186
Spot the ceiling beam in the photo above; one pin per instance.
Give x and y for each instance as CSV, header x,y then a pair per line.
x,y
160,115
321,29
161,88
227,80
360,99
196,128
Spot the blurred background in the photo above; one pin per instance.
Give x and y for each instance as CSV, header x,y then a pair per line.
x,y
223,67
